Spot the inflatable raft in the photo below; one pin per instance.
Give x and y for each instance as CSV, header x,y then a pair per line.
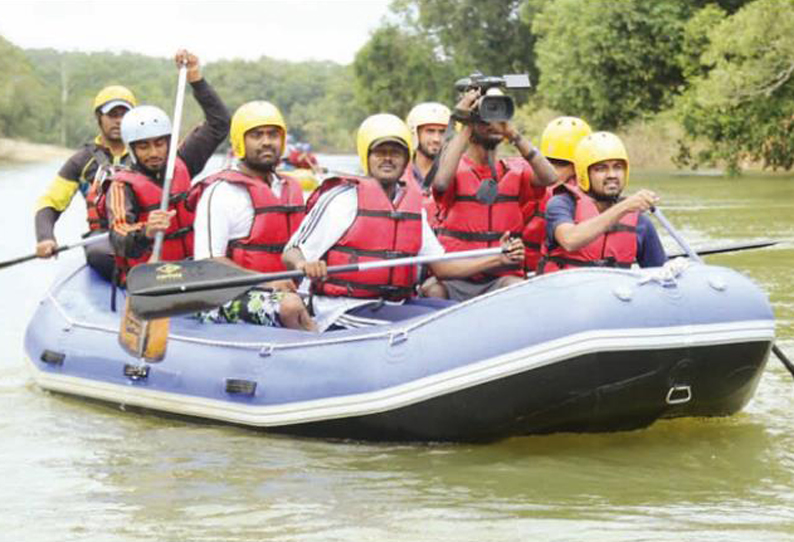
x,y
582,350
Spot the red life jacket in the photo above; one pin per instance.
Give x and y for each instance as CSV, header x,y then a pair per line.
x,y
275,219
429,204
178,242
381,230
615,248
471,224
534,231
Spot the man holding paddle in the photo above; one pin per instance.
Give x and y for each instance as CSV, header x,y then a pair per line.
x,y
84,172
246,214
591,225
135,193
363,219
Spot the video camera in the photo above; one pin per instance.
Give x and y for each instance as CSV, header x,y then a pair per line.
x,y
492,107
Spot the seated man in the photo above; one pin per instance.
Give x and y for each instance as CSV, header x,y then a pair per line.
x,y
590,224
133,199
358,219
246,214
480,197
428,123
85,172
557,144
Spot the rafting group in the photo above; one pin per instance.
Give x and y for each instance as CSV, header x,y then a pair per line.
x,y
431,185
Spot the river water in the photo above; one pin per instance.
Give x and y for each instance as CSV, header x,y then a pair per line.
x,y
73,471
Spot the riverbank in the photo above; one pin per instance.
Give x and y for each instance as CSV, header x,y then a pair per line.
x,y
14,150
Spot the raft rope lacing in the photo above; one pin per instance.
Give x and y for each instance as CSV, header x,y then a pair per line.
x,y
397,334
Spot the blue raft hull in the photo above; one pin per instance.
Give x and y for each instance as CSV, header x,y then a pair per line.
x,y
584,350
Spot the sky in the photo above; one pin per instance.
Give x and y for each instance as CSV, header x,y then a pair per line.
x,y
293,30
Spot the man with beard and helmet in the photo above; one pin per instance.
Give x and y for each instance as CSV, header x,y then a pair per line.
x,y
246,214
481,198
360,219
591,225
557,143
84,172
133,199
428,123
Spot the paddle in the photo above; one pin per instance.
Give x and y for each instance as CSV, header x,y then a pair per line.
x,y
692,255
735,247
147,339
87,241
171,288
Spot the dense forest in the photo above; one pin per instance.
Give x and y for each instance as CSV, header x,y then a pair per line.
x,y
721,69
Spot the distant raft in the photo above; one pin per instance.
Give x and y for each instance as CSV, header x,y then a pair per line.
x,y
308,179
584,350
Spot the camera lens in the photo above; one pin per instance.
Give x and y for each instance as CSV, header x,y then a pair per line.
x,y
496,108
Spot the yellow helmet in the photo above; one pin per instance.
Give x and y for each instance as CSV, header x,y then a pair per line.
x,y
112,96
378,129
561,136
250,115
597,147
426,113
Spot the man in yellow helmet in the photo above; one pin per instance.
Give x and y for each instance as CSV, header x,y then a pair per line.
x,y
557,144
360,219
481,197
84,172
592,224
246,214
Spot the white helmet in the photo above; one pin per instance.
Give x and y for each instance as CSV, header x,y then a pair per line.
x,y
426,113
144,122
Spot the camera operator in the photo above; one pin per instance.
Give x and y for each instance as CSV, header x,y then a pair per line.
x,y
480,197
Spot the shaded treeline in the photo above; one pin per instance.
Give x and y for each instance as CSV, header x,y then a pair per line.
x,y
722,69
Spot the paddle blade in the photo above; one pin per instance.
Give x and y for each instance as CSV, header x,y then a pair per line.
x,y
142,279
145,339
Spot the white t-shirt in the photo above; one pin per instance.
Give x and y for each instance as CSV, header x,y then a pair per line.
x,y
324,225
224,213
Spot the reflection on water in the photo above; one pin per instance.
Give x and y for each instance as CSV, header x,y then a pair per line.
x,y
78,471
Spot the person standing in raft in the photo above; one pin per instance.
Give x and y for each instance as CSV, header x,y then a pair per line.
x,y
85,172
428,123
246,214
557,144
591,225
359,219
481,198
133,199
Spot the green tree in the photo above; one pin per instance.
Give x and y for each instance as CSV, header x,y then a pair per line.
x,y
743,108
396,69
487,36
25,105
610,62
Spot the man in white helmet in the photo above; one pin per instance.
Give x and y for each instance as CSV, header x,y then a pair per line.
x,y
134,196
380,216
427,122
84,172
